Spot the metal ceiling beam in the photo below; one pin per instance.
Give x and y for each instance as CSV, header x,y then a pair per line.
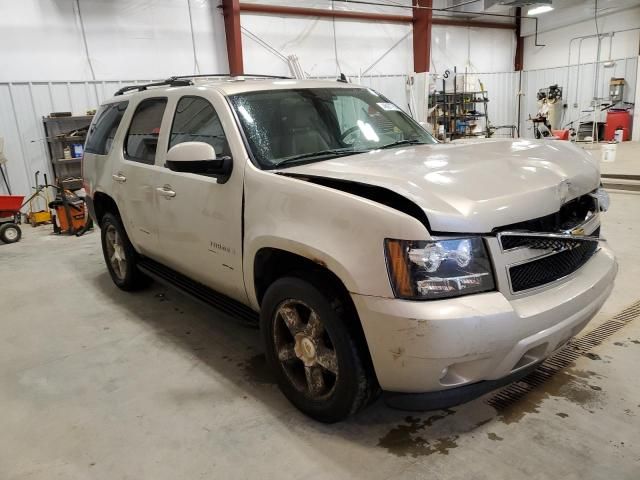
x,y
471,23
319,12
366,16
231,13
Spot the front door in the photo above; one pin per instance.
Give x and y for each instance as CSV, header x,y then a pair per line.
x,y
200,220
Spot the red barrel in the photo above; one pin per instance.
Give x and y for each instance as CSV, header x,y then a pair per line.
x,y
618,119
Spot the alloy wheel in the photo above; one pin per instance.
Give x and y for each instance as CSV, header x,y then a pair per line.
x,y
115,252
305,350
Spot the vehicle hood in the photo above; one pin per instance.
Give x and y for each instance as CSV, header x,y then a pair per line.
x,y
475,186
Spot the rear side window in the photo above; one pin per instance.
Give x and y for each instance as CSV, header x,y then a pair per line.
x,y
142,137
104,127
196,120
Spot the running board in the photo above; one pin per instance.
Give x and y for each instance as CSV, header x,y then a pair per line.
x,y
198,291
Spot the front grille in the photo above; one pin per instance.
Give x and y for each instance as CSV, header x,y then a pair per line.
x,y
550,268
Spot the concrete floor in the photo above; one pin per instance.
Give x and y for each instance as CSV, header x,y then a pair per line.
x,y
627,158
100,384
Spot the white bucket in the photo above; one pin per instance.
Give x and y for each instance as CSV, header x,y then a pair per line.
x,y
618,135
608,152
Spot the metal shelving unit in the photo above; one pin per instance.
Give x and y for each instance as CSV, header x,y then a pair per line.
x,y
64,132
459,113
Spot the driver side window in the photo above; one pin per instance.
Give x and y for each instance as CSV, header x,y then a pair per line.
x,y
196,120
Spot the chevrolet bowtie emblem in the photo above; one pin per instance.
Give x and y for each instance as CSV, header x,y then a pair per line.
x,y
578,232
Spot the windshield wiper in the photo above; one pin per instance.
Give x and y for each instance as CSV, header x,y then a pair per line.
x,y
403,142
333,153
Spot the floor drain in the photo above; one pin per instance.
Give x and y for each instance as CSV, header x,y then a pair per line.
x,y
563,358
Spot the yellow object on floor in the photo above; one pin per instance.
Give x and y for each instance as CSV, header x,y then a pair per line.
x,y
38,218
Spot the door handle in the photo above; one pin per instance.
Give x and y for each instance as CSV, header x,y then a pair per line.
x,y
166,192
118,177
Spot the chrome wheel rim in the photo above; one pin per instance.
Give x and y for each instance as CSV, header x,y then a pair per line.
x,y
115,252
305,349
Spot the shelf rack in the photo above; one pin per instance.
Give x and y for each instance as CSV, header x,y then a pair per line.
x,y
459,112
58,131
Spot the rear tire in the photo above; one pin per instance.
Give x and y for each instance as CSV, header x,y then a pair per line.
x,y
10,232
312,350
120,256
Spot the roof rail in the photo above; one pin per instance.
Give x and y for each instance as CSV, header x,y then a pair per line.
x,y
172,81
183,81
228,75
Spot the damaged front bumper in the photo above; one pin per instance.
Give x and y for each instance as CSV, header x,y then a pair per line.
x,y
432,346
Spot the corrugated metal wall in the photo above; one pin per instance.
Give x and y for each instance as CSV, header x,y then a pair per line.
x,y
22,106
502,90
578,89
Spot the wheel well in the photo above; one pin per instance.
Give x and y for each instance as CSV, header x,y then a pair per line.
x,y
273,263
103,203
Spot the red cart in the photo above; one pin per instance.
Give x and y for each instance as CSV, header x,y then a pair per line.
x,y
10,206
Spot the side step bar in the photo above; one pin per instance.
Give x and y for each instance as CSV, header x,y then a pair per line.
x,y
198,291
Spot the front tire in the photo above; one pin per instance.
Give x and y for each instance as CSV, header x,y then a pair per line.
x,y
119,255
312,350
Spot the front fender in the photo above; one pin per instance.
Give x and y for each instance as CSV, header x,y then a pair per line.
x,y
339,230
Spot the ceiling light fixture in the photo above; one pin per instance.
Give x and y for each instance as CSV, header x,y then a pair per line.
x,y
540,9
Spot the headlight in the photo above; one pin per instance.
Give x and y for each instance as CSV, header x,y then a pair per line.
x,y
438,269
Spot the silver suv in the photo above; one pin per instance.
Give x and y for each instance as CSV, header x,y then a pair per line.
x,y
372,257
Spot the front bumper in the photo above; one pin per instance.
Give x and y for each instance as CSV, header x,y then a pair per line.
x,y
428,346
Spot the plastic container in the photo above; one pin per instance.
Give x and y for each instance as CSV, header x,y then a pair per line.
x,y
561,134
617,120
76,150
618,135
609,152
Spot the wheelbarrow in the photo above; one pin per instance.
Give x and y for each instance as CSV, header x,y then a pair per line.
x,y
10,206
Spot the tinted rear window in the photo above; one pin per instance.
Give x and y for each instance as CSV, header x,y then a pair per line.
x,y
104,127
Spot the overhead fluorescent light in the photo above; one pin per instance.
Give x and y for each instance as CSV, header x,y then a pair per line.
x,y
540,9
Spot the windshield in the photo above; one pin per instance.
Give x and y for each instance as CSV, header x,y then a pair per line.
x,y
292,126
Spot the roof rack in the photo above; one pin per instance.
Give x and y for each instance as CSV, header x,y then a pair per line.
x,y
228,75
184,81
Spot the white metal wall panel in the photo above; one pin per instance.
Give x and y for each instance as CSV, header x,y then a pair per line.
x,y
502,90
22,106
578,89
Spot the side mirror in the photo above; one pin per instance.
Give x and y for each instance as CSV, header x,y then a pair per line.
x,y
199,158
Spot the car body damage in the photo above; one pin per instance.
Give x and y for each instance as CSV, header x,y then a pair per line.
x,y
472,187
323,224
374,193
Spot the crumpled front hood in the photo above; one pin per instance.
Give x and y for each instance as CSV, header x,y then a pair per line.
x,y
473,186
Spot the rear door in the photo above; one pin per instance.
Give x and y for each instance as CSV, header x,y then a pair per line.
x,y
96,167
134,175
200,223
